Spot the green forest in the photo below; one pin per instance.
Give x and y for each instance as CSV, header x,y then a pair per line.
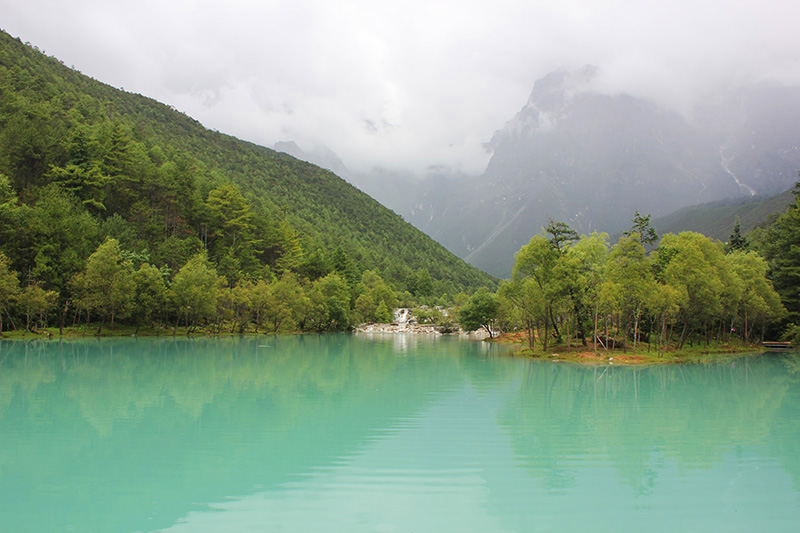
x,y
115,208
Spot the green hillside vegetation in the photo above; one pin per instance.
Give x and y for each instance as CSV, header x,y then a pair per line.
x,y
119,208
716,219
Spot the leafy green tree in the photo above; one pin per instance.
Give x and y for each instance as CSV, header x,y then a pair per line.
x,y
330,303
242,301
174,252
36,302
292,253
8,198
629,268
260,301
345,266
288,306
9,287
150,293
196,290
591,252
53,239
127,165
523,301
382,313
479,312
82,175
696,265
316,263
423,283
230,214
759,302
32,140
535,287
375,293
108,283
664,305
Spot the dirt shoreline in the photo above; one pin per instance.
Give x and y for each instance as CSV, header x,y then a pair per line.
x,y
644,355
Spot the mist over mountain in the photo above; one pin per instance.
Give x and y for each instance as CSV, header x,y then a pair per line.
x,y
592,159
321,156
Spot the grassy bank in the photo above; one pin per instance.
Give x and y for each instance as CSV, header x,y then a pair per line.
x,y
124,331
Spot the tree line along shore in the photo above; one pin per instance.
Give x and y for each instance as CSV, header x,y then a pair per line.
x,y
121,214
568,293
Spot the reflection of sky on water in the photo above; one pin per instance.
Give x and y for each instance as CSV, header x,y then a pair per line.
x,y
399,433
423,473
453,466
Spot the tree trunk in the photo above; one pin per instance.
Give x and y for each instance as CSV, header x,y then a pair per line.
x,y
530,328
683,335
63,317
579,328
549,313
11,320
546,331
746,332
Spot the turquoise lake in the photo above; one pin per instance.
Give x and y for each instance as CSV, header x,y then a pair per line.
x,y
388,433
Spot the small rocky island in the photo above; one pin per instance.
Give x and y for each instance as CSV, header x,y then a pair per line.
x,y
406,322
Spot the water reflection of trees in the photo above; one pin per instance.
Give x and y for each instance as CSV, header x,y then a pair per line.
x,y
181,420
170,423
633,419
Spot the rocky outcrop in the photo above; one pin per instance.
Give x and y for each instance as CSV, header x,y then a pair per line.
x,y
405,322
422,329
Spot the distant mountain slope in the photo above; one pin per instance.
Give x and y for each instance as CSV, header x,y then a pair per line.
x,y
45,108
716,219
592,159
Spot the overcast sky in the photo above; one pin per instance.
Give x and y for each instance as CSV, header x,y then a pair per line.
x,y
403,85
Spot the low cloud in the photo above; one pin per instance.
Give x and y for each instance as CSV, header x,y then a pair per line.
x,y
404,86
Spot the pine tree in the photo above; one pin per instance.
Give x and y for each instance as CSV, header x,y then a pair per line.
x,y
737,241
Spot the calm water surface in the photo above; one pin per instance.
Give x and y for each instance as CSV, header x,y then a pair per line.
x,y
351,433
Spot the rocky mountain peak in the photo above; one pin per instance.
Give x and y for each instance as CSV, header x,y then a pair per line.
x,y
554,91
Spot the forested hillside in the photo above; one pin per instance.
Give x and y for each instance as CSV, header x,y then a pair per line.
x,y
81,162
716,220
